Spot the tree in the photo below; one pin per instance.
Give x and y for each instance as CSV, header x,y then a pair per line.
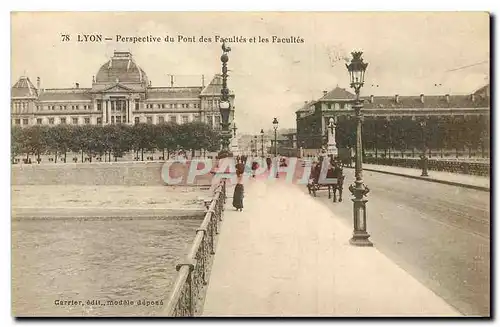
x,y
34,140
166,137
58,139
16,141
143,138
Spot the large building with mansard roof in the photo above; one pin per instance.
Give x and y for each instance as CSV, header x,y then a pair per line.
x,y
451,120
120,94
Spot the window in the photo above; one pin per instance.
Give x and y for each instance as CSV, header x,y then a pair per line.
x,y
136,120
173,119
329,106
112,119
39,121
185,119
37,108
161,119
18,121
99,106
137,106
25,121
63,120
112,106
149,120
87,120
118,119
163,106
51,121
341,106
99,120
60,107
337,106
75,121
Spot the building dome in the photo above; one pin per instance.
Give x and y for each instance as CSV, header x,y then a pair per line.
x,y
121,68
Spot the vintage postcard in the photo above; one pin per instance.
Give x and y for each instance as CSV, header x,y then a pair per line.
x,y
250,164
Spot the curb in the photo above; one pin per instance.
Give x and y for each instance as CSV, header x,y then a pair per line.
x,y
474,187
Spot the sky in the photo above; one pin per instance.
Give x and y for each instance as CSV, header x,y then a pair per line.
x,y
407,53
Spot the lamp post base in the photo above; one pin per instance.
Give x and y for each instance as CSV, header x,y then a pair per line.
x,y
424,174
360,238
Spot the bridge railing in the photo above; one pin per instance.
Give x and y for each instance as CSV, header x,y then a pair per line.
x,y
186,298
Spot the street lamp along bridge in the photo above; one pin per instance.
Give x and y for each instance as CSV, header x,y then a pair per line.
x,y
360,237
225,106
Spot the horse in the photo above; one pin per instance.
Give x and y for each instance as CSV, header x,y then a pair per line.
x,y
337,173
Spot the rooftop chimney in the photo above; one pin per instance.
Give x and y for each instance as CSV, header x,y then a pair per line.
x,y
38,83
422,98
325,93
305,102
447,98
77,85
396,98
371,98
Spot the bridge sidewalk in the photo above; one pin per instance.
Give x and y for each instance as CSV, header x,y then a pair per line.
x,y
288,255
469,181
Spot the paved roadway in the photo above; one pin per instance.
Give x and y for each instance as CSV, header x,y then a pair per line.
x,y
438,233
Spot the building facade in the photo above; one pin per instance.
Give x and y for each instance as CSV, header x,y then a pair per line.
x,y
398,122
120,94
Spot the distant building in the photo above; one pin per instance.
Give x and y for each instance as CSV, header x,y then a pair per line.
x,y
393,121
121,93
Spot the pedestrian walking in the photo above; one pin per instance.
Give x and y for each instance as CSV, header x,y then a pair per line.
x,y
255,165
238,191
268,162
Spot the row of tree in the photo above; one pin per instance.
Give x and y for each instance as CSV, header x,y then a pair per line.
x,y
472,132
112,140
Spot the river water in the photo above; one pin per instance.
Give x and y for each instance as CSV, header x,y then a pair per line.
x,y
96,260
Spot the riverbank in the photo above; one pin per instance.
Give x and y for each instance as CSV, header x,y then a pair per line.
x,y
107,201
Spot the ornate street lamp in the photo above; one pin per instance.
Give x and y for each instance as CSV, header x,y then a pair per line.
x,y
225,105
262,143
360,237
255,145
424,159
275,126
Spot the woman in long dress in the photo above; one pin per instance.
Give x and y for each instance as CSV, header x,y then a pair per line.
x,y
238,191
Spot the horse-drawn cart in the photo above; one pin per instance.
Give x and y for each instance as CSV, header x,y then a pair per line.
x,y
333,173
